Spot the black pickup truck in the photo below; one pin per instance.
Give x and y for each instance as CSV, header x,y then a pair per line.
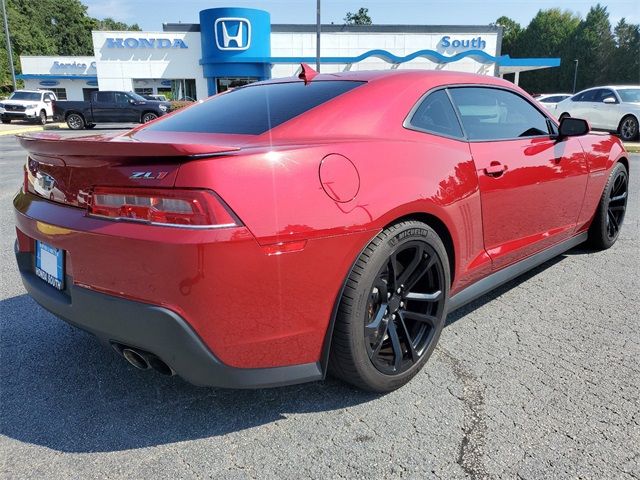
x,y
108,107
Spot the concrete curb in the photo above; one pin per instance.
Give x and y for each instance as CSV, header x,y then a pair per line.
x,y
35,128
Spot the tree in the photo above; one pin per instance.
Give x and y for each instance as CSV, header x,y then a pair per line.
x,y
50,27
361,17
111,24
594,47
511,32
627,57
549,34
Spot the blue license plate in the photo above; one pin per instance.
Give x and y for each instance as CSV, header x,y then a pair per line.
x,y
50,264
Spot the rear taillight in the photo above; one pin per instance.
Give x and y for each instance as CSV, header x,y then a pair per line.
x,y
174,207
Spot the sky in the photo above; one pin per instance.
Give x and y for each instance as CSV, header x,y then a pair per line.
x,y
151,14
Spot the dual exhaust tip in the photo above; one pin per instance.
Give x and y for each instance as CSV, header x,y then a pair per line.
x,y
144,360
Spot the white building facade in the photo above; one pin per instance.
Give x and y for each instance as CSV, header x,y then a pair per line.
x,y
234,46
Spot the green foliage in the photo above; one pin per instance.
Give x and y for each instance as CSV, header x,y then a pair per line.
x,y
604,56
49,27
361,17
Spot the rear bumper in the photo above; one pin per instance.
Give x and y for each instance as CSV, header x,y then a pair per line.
x,y
155,329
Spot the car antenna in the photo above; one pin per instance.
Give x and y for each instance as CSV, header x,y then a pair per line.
x,y
306,73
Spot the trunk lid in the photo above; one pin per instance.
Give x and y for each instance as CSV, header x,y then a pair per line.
x,y
66,169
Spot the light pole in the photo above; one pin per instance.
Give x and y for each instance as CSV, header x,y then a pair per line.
x,y
317,36
575,75
9,52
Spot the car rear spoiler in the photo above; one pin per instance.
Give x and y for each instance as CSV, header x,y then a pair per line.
x,y
115,146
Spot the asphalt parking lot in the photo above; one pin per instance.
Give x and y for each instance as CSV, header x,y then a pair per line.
x,y
540,379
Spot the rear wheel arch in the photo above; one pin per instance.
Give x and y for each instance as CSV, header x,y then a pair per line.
x,y
624,161
440,228
432,221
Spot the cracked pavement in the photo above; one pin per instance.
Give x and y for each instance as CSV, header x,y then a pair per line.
x,y
539,379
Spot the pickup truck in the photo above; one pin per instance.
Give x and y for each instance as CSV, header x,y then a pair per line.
x,y
31,105
108,107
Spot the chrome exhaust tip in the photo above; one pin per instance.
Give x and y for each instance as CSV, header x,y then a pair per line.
x,y
136,359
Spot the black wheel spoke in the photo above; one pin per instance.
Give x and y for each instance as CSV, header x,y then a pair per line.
x,y
395,345
372,329
424,297
393,272
420,317
619,208
613,221
412,270
617,198
412,350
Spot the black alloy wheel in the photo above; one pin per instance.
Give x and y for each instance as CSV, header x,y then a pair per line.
x,y
617,204
405,308
609,216
392,309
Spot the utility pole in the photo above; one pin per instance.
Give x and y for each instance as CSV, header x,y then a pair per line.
x,y
9,52
575,76
317,36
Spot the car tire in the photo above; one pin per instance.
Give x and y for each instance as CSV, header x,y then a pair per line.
x,y
628,128
6,121
563,115
607,221
42,118
382,313
148,117
75,121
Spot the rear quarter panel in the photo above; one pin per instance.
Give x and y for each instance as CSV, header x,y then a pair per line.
x,y
602,152
278,193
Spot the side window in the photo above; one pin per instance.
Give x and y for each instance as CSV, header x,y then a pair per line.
x,y
122,98
495,114
436,114
104,97
590,96
606,93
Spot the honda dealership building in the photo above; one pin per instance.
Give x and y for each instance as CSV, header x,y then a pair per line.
x,y
234,46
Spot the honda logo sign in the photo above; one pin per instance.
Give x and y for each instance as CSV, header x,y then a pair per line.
x,y
232,33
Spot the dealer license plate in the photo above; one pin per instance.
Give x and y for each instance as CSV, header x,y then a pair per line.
x,y
50,264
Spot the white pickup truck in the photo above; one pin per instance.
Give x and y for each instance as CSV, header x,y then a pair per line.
x,y
31,105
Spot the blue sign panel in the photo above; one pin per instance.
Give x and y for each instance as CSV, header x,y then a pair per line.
x,y
236,42
49,83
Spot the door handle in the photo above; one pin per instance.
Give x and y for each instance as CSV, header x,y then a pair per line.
x,y
495,169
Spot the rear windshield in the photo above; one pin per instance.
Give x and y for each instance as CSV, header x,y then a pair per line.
x,y
254,109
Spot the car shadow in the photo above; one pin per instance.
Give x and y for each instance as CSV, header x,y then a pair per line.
x,y
61,389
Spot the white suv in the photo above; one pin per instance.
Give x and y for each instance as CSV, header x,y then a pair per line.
x,y
33,105
614,108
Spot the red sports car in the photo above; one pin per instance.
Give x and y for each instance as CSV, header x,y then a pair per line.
x,y
295,227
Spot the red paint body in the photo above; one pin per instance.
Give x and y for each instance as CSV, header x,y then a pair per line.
x,y
328,181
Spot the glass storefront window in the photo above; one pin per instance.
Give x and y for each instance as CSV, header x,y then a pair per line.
x,y
224,84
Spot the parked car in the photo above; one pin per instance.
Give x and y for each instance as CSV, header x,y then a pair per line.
x,y
328,224
612,108
550,100
109,107
31,105
157,98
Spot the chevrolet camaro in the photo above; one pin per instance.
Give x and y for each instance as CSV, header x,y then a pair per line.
x,y
325,223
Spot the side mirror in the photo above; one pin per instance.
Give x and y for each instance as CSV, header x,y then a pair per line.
x,y
573,127
47,100
609,100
